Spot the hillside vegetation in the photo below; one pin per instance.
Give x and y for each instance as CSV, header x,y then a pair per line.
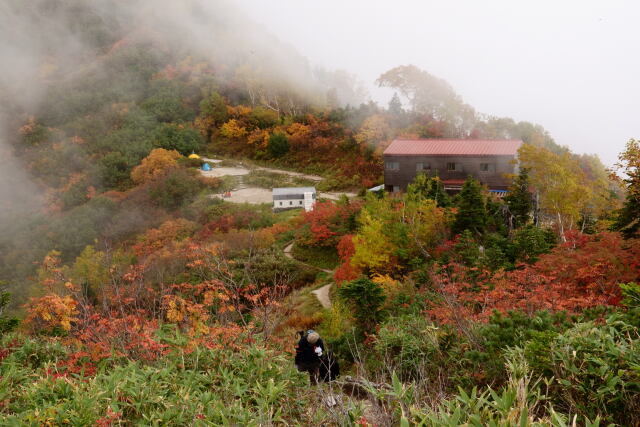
x,y
132,297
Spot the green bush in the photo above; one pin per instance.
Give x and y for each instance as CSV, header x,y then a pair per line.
x,y
523,401
365,298
267,267
77,194
509,330
339,182
278,145
177,188
213,106
114,170
80,226
184,140
6,323
411,346
29,352
263,118
529,242
165,102
39,134
596,369
631,300
631,294
496,252
425,187
325,257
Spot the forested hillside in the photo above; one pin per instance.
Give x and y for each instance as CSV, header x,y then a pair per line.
x,y
132,296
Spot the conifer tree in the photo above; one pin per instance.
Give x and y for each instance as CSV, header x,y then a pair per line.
x,y
365,298
519,200
472,213
395,105
278,145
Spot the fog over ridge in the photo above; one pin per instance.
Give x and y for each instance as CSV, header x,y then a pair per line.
x,y
569,66
43,45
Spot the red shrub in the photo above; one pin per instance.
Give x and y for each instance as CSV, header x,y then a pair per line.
x,y
582,273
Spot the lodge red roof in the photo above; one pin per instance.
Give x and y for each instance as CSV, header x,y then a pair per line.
x,y
454,147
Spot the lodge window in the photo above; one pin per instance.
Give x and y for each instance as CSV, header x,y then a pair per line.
x,y
300,202
454,167
290,203
396,188
422,167
392,166
280,203
487,167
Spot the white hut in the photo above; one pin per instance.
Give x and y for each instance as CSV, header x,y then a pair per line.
x,y
294,197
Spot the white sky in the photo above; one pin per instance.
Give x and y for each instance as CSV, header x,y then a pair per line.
x,y
572,66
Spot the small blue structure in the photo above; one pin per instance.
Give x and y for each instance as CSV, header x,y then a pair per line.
x,y
206,167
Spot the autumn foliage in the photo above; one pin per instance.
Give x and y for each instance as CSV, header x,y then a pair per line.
x,y
327,223
150,271
584,272
346,271
154,165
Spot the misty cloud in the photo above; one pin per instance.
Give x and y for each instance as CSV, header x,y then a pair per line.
x,y
44,46
570,66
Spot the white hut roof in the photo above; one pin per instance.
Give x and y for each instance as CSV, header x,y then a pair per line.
x,y
285,191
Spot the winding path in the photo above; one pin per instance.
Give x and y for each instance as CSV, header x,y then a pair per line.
x,y
259,195
322,293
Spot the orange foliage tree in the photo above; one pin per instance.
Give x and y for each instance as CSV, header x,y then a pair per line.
x,y
157,238
154,165
58,308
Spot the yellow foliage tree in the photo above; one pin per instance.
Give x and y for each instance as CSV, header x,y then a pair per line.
x,y
373,250
233,129
391,287
374,130
427,224
52,311
561,185
91,268
191,316
239,110
154,165
58,308
298,132
393,232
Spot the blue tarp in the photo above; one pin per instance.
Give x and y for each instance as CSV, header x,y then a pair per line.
x,y
206,167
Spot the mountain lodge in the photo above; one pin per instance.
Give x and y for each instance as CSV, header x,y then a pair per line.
x,y
452,160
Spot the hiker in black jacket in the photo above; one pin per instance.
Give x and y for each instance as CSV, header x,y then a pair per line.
x,y
312,357
308,352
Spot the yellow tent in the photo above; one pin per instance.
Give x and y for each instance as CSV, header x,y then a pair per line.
x,y
194,156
